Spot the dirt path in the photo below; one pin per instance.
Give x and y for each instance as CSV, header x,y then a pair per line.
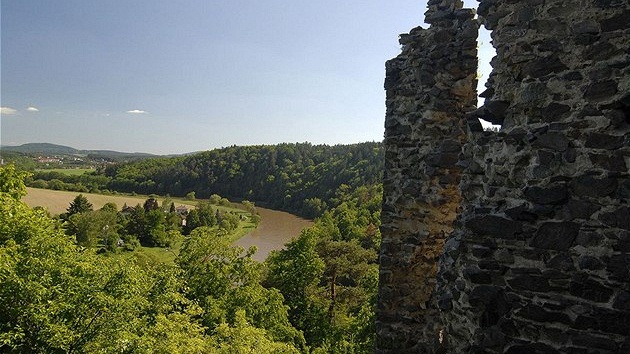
x,y
275,229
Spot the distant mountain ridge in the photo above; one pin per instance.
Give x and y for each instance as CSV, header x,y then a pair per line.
x,y
54,149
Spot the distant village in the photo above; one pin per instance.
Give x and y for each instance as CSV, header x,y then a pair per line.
x,y
50,156
69,161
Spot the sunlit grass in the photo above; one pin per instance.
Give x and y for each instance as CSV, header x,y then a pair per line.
x,y
68,171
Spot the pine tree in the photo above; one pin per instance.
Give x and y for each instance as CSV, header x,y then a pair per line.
x,y
80,204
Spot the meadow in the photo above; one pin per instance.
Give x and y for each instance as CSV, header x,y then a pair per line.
x,y
58,201
68,171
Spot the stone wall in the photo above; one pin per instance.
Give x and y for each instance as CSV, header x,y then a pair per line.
x,y
429,88
533,233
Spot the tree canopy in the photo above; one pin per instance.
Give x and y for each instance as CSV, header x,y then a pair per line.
x,y
317,295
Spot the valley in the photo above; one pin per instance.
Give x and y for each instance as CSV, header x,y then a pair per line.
x,y
274,230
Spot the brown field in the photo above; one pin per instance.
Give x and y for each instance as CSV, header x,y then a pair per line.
x,y
58,201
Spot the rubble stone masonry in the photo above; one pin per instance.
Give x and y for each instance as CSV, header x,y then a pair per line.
x,y
515,241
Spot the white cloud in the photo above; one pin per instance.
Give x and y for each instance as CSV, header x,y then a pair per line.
x,y
7,110
137,111
32,109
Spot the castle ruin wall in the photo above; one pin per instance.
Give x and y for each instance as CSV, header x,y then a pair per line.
x,y
515,241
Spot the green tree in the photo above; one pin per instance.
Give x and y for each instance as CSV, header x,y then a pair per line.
x,y
249,207
346,264
136,222
151,204
225,280
93,227
255,219
329,277
12,181
242,337
202,215
155,233
110,207
57,184
192,221
296,271
215,199
80,204
207,215
60,298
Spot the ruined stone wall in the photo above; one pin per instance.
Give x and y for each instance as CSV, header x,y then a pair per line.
x,y
429,87
538,258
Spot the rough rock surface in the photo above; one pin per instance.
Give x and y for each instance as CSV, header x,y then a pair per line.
x,y
515,241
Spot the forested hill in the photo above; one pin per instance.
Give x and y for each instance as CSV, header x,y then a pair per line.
x,y
301,178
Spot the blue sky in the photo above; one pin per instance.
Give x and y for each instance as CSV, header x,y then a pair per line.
x,y
187,75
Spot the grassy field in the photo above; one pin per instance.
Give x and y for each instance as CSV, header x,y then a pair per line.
x,y
69,171
159,254
58,201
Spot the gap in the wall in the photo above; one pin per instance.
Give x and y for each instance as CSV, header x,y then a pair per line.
x,y
485,53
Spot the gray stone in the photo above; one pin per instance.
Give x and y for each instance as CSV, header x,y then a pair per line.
x,y
591,263
556,235
521,213
531,223
529,283
553,141
606,321
610,162
573,76
477,276
495,226
543,66
622,301
579,209
444,160
549,45
623,242
606,4
599,91
556,194
492,300
599,51
592,342
561,262
555,111
591,290
617,22
619,267
585,27
619,218
590,186
540,314
532,348
604,141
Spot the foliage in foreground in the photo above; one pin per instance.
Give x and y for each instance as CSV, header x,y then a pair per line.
x,y
315,296
62,297
329,275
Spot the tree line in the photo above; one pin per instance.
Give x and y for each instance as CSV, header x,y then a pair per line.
x,y
300,178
